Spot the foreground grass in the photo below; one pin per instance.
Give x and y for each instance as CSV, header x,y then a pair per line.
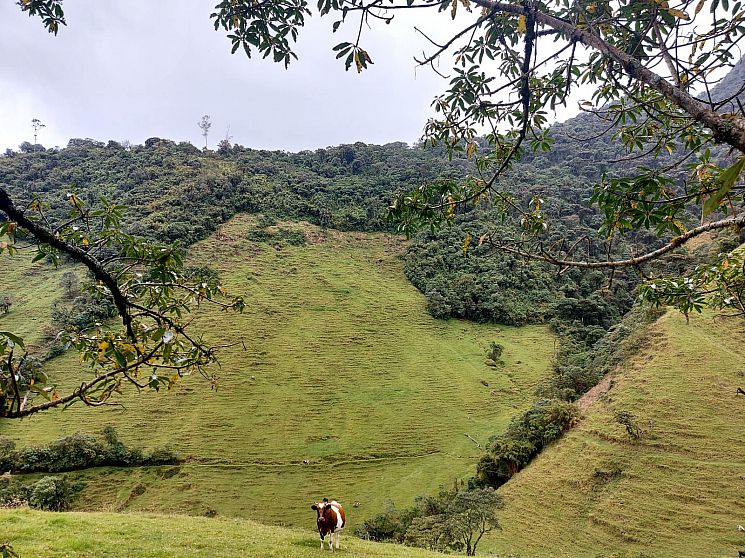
x,y
679,491
108,535
343,369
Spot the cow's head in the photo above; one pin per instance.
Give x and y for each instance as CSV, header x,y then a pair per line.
x,y
324,519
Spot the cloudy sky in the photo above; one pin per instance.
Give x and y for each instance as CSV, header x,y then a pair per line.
x,y
129,70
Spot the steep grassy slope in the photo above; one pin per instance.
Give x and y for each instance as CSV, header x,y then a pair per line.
x,y
343,368
106,535
679,491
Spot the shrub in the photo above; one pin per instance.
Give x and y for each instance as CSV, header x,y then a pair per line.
x,y
7,451
70,284
494,352
56,349
259,235
12,493
292,237
52,494
437,305
164,456
265,221
5,303
391,525
80,451
85,312
74,452
629,422
281,237
525,437
202,274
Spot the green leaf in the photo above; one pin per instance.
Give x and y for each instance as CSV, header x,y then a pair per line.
x,y
726,181
16,340
121,360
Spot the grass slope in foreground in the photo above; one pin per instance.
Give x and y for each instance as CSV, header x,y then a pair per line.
x,y
679,491
109,535
344,368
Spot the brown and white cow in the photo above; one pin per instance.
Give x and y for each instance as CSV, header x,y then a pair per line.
x,y
331,520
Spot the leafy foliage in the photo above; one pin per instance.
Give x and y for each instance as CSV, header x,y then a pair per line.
x,y
142,280
719,284
50,12
50,493
524,438
79,451
455,519
630,423
465,517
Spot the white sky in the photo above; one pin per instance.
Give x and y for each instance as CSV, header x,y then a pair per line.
x,y
129,70
133,69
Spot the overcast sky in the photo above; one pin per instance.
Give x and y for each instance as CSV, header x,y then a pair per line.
x,y
133,69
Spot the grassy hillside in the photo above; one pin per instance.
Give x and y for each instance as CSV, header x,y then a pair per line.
x,y
343,368
679,491
106,535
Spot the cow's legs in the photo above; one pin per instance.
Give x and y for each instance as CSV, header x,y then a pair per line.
x,y
321,542
337,540
331,541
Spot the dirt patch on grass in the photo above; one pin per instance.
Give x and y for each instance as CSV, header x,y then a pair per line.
x,y
586,401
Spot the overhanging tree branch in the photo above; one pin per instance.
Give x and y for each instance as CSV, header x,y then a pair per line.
x,y
727,130
94,266
676,242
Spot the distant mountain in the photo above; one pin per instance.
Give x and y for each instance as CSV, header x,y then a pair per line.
x,y
583,143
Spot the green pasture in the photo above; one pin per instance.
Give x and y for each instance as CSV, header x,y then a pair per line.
x,y
678,491
343,368
108,535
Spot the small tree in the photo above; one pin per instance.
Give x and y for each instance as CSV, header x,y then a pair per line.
x,y
224,145
205,124
465,518
494,351
37,125
629,422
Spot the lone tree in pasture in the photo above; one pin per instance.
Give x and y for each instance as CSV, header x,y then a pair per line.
x,y
37,125
205,124
647,70
466,516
